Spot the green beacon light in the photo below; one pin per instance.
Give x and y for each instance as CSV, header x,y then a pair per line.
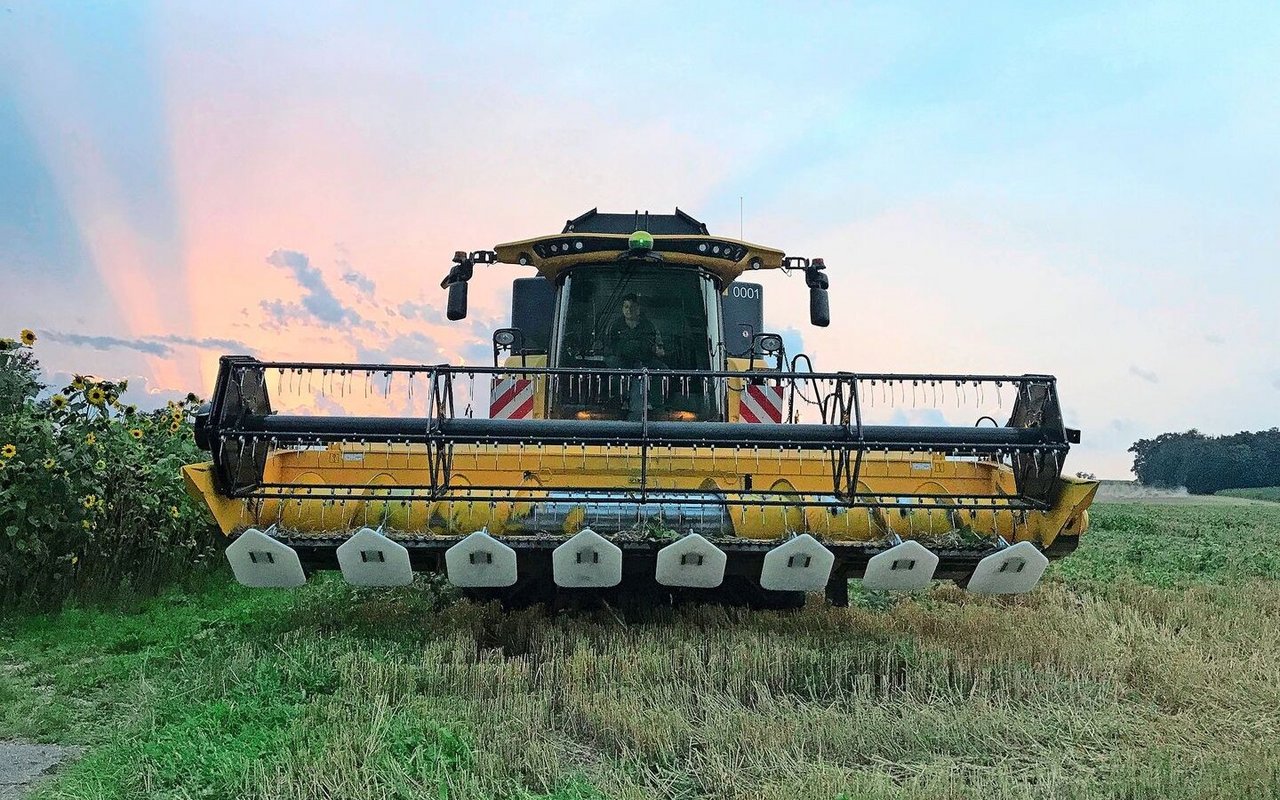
x,y
640,240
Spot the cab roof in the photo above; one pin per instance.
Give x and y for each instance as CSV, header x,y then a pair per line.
x,y
677,224
678,238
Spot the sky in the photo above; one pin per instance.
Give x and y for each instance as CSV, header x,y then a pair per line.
x,y
1089,190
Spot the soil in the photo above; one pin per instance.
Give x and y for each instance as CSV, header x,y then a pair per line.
x,y
23,764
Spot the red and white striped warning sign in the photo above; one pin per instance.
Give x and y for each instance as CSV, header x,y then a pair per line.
x,y
511,398
761,402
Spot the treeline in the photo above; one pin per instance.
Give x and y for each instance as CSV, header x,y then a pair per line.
x,y
1206,464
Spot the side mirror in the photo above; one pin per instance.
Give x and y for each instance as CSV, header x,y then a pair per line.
x,y
819,305
456,308
456,283
819,308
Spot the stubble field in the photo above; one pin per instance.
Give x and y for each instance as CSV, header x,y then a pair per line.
x,y
1145,666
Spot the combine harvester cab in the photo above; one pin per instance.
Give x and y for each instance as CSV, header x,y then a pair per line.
x,y
638,431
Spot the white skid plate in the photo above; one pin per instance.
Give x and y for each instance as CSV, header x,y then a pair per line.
x,y
904,567
370,559
692,561
1013,570
480,561
800,565
587,560
260,562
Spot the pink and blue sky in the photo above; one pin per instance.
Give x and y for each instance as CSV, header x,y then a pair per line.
x,y
1090,190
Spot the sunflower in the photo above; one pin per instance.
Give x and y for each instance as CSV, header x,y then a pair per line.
x,y
90,438
130,410
97,396
136,433
49,463
78,383
28,337
58,401
85,524
100,465
8,451
173,511
175,426
90,500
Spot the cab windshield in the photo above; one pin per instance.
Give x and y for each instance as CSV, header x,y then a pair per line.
x,y
634,316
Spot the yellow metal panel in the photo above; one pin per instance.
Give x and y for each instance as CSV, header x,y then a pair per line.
x,y
229,514
528,469
552,266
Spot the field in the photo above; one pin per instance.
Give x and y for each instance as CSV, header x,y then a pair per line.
x,y
1268,493
1145,667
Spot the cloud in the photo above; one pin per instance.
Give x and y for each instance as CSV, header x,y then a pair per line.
x,y
363,283
417,347
318,300
412,348
110,343
1146,374
207,342
423,311
150,345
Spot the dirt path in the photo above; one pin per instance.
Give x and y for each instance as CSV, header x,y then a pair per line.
x,y
23,764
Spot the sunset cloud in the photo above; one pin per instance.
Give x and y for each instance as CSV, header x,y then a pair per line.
x,y
150,345
360,281
318,301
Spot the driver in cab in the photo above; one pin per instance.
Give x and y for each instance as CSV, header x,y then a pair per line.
x,y
632,340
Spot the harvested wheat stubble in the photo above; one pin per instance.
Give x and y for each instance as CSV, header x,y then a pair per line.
x,y
1136,670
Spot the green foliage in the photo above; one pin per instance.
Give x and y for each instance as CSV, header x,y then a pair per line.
x,y
1268,493
1206,464
1171,545
90,499
1133,672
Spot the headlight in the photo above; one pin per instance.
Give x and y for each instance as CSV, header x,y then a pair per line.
x,y
770,344
504,338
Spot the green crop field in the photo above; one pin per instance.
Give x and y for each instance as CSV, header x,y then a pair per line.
x,y
1269,493
1146,666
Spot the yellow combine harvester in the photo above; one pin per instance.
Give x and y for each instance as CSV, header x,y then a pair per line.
x,y
639,431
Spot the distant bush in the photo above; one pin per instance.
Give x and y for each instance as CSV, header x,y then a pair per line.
x,y
1271,493
1206,464
91,502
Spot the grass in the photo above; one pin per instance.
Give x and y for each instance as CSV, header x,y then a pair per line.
x,y
1144,667
1268,493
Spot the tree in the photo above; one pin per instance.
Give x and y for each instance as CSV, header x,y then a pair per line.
x,y
1206,464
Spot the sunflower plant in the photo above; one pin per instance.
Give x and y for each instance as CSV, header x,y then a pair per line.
x,y
90,495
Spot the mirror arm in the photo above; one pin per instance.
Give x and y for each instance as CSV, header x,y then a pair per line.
x,y
813,277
